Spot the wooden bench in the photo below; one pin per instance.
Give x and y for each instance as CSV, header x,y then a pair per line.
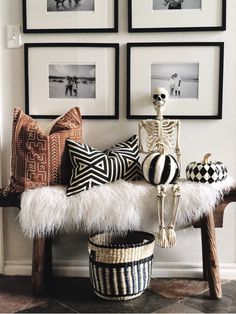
x,y
42,247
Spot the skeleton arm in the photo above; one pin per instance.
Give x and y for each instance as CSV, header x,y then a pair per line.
x,y
177,147
140,126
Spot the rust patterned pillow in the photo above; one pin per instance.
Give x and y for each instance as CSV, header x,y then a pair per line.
x,y
39,159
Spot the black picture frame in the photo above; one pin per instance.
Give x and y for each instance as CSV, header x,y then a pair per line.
x,y
219,106
114,46
140,29
27,29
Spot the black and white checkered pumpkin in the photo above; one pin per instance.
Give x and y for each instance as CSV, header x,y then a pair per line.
x,y
206,171
160,169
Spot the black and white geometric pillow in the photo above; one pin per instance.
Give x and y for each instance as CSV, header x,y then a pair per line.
x,y
91,167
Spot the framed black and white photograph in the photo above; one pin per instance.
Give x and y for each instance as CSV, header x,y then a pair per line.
x,y
177,5
176,15
59,76
56,16
180,79
72,81
70,5
192,73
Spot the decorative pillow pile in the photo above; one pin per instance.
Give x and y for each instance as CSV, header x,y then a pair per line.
x,y
39,159
91,167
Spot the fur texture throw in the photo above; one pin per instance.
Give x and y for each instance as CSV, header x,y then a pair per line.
x,y
117,206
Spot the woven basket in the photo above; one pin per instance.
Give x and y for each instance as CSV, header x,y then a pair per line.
x,y
120,266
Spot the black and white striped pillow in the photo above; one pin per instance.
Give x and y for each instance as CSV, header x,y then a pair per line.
x,y
91,167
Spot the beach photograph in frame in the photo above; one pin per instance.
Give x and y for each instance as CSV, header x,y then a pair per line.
x,y
70,5
85,75
177,4
192,74
180,80
70,16
72,80
176,15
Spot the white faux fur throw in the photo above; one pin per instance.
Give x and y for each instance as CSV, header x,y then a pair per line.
x,y
117,206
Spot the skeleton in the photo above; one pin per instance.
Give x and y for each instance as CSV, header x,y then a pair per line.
x,y
160,136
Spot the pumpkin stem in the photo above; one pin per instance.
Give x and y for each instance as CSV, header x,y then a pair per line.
x,y
206,158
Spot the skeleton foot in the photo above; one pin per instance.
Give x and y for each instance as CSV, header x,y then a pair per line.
x,y
161,239
171,236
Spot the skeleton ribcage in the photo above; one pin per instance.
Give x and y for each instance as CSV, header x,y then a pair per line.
x,y
159,133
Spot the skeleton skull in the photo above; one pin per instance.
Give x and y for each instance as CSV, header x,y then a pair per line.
x,y
160,98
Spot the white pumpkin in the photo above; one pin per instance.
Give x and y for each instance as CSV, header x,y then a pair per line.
x,y
206,171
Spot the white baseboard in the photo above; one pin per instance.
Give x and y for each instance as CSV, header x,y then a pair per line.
x,y
161,270
190,270
60,268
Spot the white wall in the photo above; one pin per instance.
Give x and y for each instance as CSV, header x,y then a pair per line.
x,y
198,137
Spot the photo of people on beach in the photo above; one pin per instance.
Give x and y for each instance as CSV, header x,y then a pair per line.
x,y
177,4
72,81
180,79
70,5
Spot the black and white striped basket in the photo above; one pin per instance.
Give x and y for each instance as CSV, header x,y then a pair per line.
x,y
120,266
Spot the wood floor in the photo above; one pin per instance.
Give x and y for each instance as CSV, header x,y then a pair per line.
x,y
74,295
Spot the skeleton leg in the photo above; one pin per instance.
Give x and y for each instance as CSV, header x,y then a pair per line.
x,y
171,235
161,235
140,126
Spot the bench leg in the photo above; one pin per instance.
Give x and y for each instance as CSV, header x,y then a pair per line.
x,y
211,270
41,264
204,256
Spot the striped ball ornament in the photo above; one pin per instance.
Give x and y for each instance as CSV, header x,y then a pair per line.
x,y
160,169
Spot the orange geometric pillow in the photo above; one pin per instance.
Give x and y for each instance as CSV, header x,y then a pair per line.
x,y
39,159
